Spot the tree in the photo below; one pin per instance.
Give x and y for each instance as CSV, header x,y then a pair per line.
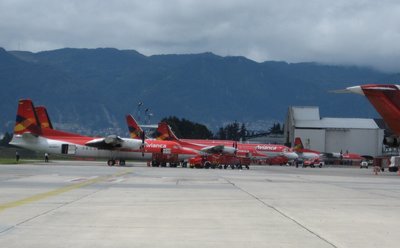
x,y
276,129
187,129
243,132
221,135
232,132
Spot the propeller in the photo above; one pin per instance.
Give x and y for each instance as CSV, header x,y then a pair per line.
x,y
235,146
143,138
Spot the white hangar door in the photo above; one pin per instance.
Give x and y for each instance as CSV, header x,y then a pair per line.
x,y
336,140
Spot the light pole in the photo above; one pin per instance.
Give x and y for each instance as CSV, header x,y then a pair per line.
x,y
138,111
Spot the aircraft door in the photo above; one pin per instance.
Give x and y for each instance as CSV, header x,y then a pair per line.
x,y
64,149
68,149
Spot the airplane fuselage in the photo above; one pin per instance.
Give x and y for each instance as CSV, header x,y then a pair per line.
x,y
52,146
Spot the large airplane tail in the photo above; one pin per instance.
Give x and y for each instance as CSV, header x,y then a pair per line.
x,y
298,144
43,116
164,132
27,120
386,100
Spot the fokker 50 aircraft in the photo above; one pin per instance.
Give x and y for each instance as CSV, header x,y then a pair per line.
x,y
312,154
256,151
32,134
159,147
386,100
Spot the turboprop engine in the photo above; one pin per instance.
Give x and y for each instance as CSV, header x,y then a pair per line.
x,y
220,149
391,141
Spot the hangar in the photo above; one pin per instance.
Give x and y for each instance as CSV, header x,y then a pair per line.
x,y
354,135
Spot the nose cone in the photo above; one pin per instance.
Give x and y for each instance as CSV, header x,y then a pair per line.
x,y
291,155
355,89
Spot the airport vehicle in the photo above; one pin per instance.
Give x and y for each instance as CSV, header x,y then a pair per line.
x,y
313,162
386,100
32,134
278,160
253,151
364,164
394,163
219,161
162,151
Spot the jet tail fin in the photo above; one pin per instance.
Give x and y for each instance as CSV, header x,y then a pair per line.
x,y
27,120
135,131
385,99
164,132
43,116
298,144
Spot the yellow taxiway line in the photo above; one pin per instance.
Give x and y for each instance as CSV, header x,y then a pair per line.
x,y
59,191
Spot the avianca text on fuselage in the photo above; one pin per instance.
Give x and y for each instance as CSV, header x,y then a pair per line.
x,y
160,146
266,148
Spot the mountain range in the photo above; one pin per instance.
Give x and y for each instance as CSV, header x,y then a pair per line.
x,y
91,90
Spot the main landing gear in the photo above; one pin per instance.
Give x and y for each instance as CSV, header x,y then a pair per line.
x,y
113,162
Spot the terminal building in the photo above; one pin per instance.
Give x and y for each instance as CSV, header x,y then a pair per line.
x,y
353,135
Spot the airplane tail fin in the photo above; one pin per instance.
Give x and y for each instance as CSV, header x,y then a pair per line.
x,y
164,132
27,120
385,99
43,116
135,131
298,144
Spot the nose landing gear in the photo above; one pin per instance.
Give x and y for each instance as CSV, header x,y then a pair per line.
x,y
112,162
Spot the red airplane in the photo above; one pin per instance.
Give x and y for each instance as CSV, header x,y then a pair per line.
x,y
302,152
312,154
34,131
160,149
256,151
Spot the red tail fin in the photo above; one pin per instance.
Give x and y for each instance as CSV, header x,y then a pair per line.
x,y
164,132
298,145
386,100
44,119
135,131
26,120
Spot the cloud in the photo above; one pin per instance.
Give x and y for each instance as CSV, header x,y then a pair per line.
x,y
360,32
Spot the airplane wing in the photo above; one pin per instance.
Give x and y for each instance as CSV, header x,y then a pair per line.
x,y
219,149
331,154
114,142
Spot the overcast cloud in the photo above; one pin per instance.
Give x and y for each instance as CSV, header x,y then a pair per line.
x,y
359,32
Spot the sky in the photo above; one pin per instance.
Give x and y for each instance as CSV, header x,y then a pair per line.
x,y
343,32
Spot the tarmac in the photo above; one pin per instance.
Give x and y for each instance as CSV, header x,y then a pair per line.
x,y
88,204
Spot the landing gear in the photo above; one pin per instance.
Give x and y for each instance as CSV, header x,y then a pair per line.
x,y
155,163
111,162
